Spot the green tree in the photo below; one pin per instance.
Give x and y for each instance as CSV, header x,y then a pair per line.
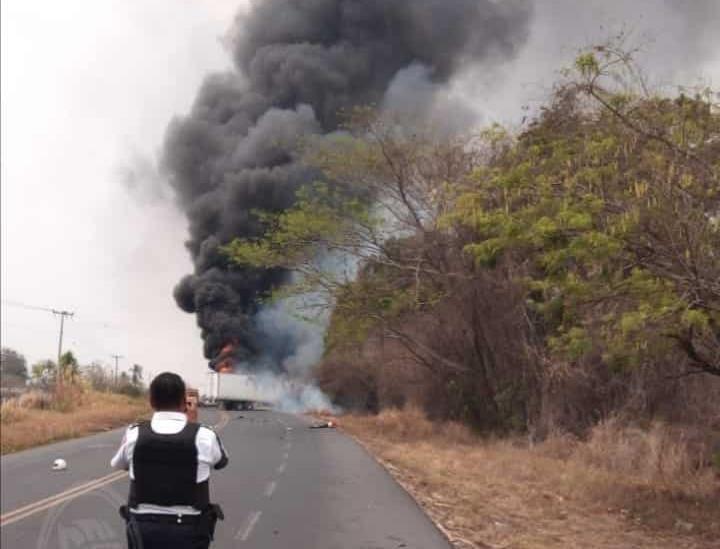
x,y
69,367
98,376
44,371
610,203
13,368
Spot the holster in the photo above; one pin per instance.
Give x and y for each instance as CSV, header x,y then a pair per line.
x,y
213,513
124,512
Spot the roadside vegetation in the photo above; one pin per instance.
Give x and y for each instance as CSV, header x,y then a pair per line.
x,y
556,283
616,487
49,406
37,418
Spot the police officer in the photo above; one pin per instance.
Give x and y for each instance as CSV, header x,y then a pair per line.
x,y
169,460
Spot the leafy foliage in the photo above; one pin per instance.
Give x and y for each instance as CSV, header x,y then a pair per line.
x,y
44,371
613,208
13,367
70,367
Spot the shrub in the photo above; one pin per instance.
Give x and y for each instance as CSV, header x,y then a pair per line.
x,y
11,411
35,400
130,390
661,454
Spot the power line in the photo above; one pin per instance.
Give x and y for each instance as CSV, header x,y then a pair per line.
x,y
84,320
100,324
61,313
25,306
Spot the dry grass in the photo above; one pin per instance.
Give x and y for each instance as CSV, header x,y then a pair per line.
x,y
38,418
619,489
660,456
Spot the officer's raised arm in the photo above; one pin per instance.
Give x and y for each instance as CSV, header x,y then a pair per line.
x,y
220,456
121,459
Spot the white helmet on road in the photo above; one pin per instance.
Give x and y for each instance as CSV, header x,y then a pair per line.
x,y
59,465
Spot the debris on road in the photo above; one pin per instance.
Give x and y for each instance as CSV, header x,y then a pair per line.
x,y
59,465
324,425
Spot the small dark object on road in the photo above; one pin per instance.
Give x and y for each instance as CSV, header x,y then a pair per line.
x,y
323,425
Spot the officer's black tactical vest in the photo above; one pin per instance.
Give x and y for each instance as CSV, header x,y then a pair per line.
x,y
165,469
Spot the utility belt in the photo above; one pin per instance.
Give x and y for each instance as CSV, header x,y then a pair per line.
x,y
206,520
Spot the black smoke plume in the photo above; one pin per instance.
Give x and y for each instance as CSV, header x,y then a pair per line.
x,y
297,64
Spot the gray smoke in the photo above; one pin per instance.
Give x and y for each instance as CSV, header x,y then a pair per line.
x,y
297,65
678,42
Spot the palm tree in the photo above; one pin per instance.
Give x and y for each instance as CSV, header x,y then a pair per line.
x,y
69,367
136,374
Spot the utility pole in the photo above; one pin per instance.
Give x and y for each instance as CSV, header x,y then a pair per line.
x,y
62,315
116,357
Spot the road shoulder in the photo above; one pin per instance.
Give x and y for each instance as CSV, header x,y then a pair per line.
x,y
500,494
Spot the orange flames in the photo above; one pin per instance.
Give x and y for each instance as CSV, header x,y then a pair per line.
x,y
223,362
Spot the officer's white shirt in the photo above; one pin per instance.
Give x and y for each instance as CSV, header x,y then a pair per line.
x,y
209,448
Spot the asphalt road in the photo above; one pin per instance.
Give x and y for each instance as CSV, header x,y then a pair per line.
x,y
286,486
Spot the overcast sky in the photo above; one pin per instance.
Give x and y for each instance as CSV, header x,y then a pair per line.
x,y
88,86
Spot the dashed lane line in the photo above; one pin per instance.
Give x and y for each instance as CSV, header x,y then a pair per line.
x,y
243,534
270,489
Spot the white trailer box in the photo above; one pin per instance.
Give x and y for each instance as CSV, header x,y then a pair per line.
x,y
232,391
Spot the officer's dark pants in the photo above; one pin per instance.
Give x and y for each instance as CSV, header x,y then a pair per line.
x,y
164,535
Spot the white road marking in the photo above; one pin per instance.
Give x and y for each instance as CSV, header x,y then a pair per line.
x,y
281,469
244,533
270,489
57,499
77,491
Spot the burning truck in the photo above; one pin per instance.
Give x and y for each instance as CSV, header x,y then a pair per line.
x,y
231,389
234,387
